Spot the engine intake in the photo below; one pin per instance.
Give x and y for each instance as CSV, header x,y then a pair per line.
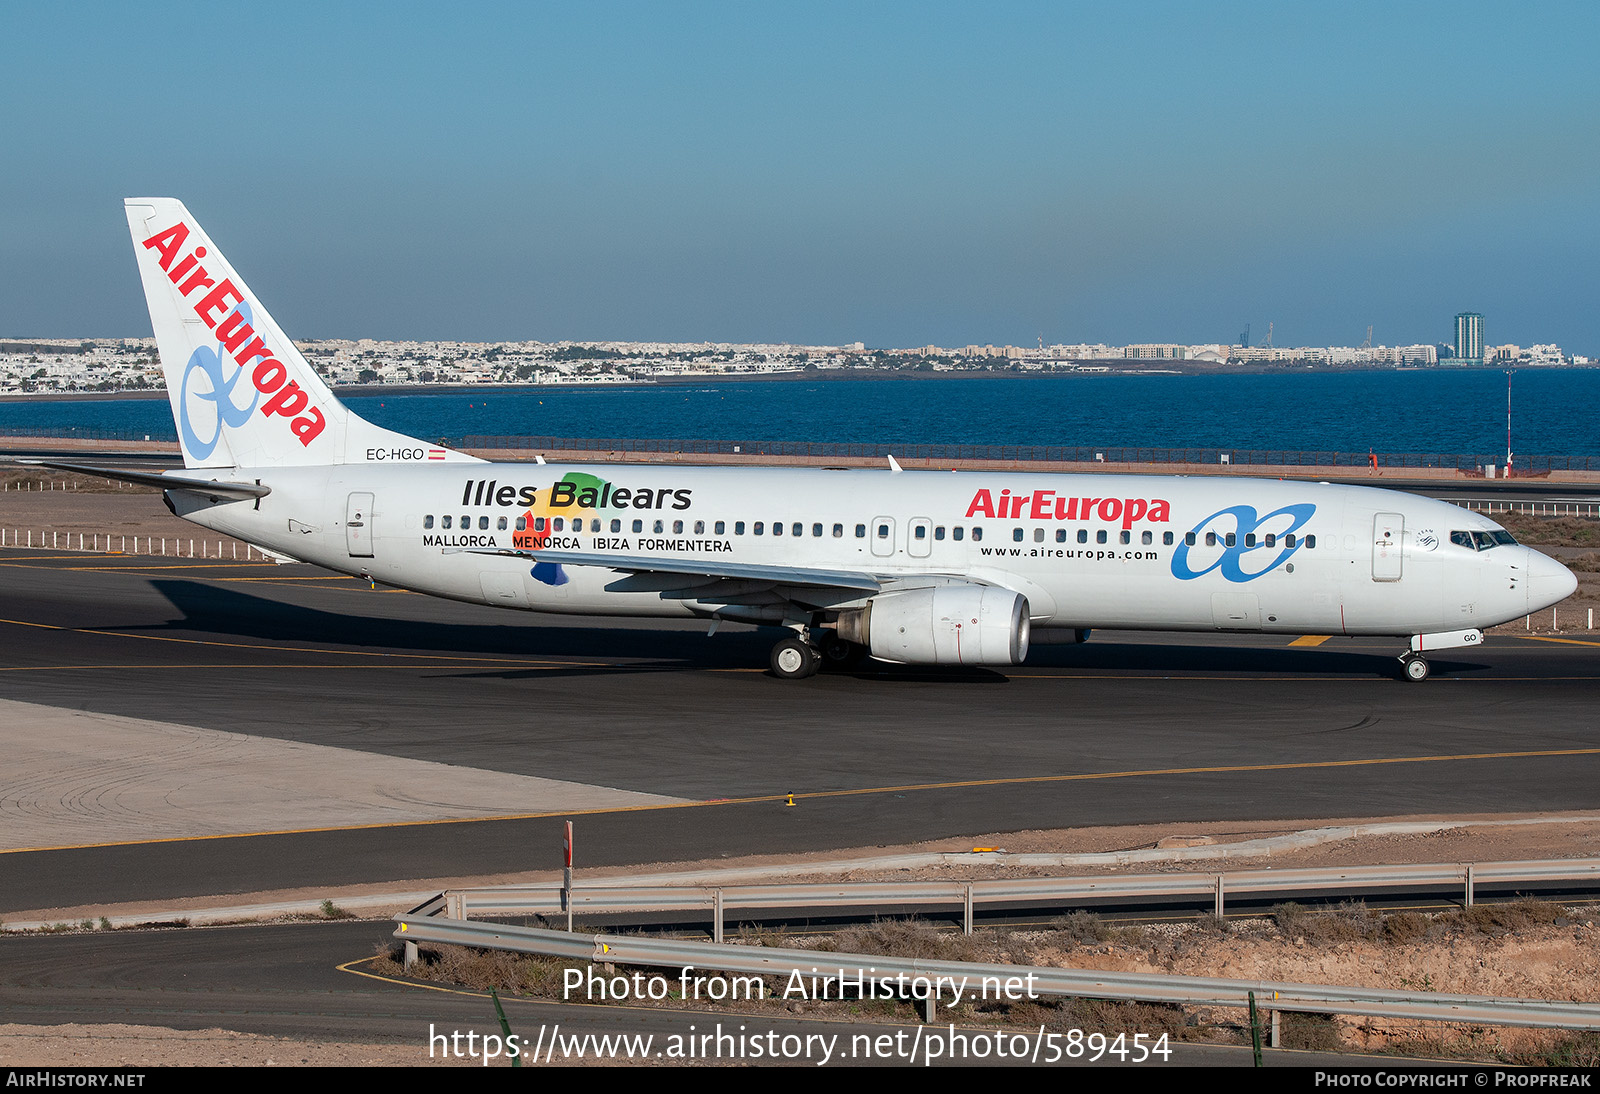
x,y
943,625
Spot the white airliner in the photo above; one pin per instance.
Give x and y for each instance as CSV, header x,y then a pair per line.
x,y
911,567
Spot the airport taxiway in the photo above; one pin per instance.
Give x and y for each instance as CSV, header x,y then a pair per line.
x,y
435,739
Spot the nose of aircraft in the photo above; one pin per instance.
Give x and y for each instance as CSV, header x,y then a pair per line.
x,y
1549,582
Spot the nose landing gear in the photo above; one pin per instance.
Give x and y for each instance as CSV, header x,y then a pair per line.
x,y
1415,667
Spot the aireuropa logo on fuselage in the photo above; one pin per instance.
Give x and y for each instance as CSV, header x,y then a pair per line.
x,y
1242,545
225,311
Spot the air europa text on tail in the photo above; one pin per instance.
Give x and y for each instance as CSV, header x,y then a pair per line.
x,y
219,310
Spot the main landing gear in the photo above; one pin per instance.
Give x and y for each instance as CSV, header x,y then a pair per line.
x,y
793,658
796,657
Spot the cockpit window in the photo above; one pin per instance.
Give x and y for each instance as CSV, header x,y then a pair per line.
x,y
1463,539
1504,537
1484,540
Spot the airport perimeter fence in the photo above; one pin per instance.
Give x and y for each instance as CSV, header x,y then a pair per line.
x,y
1470,463
58,432
114,543
1022,453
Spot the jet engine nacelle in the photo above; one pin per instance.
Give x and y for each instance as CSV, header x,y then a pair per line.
x,y
943,625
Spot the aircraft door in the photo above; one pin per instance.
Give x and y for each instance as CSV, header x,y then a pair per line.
x,y
1388,529
919,537
358,525
881,533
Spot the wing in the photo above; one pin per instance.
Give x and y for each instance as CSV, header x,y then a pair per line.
x,y
705,581
695,567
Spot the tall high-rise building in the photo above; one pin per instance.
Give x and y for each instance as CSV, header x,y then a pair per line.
x,y
1469,336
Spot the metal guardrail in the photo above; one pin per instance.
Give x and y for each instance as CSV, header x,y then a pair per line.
x,y
552,899
1028,981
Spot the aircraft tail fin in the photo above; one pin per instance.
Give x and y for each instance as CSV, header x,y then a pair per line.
x,y
242,394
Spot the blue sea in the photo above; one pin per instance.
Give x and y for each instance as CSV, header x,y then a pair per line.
x,y
1553,412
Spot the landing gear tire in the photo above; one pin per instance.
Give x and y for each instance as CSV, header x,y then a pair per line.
x,y
1415,668
794,659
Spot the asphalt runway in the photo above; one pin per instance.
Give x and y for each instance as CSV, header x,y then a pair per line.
x,y
1131,728
315,981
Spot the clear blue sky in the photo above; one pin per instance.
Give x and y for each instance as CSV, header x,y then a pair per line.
x,y
894,174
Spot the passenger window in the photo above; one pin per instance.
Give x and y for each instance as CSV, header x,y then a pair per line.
x,y
1100,536
719,528
1211,539
616,525
699,527
1016,535
958,531
816,530
1188,539
466,522
656,527
797,529
1250,539
446,522
483,524
883,531
1127,536
1083,535
938,533
1166,539
777,527
861,531
522,524
1147,538
638,526
738,527
501,526
538,524
838,531
677,527
1229,541
1038,535
1289,540
759,528
559,524
1061,535
977,534
427,521
1271,540
1311,543
920,531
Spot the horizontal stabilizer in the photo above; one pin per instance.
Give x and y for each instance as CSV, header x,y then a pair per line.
x,y
167,481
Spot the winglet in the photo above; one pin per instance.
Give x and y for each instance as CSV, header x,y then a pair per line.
x,y
894,466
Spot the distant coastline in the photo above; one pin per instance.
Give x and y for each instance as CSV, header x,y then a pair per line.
x,y
1135,367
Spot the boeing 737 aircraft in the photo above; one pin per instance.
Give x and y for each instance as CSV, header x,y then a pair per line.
x,y
912,567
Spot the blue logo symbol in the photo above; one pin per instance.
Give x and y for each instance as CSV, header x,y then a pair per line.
x,y
225,412
1240,562
550,573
